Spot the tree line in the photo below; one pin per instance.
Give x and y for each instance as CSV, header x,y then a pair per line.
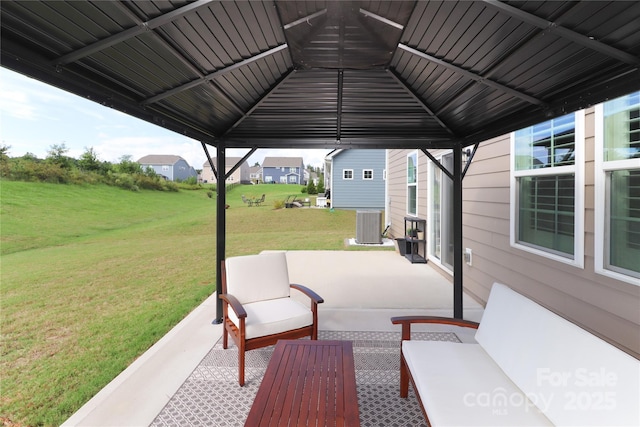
x,y
59,168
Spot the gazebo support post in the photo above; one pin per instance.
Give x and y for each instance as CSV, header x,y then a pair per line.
x,y
457,231
220,225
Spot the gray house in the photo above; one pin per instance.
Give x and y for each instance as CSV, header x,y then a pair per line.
x,y
283,170
356,178
173,168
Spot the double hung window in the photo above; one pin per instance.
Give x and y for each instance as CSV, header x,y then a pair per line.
x,y
412,183
617,188
547,189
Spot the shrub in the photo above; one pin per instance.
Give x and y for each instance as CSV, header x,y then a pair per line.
x,y
278,204
311,188
122,180
192,180
147,182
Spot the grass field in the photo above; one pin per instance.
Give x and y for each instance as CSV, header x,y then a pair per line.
x,y
92,276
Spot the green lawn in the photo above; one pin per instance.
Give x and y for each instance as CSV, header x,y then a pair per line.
x,y
92,276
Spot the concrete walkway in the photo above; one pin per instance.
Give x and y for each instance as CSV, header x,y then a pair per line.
x,y
362,290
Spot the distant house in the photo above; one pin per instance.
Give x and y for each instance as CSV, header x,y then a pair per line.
x,y
283,170
310,176
255,174
356,178
173,168
240,175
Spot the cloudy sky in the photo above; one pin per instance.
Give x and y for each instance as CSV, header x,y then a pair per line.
x,y
35,116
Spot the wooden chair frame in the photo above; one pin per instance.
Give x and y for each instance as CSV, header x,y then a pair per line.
x,y
238,333
406,322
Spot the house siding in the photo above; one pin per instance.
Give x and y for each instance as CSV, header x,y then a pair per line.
x,y
275,169
603,305
240,175
174,168
358,193
182,171
397,189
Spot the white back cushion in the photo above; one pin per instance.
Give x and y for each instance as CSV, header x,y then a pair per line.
x,y
252,278
573,376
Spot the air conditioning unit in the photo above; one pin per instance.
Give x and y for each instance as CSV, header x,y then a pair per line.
x,y
368,227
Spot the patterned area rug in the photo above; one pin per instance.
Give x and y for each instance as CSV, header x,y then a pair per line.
x,y
211,395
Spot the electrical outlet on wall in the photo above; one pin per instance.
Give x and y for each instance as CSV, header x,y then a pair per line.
x,y
468,256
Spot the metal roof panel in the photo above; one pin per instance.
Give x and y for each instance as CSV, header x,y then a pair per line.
x,y
330,73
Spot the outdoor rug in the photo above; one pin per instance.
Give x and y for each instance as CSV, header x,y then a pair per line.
x,y
211,395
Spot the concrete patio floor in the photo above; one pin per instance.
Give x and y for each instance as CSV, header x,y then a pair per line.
x,y
361,289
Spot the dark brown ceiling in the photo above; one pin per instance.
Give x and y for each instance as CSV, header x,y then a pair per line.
x,y
330,74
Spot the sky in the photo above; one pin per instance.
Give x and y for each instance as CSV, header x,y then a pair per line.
x,y
35,116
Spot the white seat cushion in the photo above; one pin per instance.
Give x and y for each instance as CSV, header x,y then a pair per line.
x,y
460,385
273,316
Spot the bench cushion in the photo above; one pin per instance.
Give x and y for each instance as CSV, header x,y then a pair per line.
x,y
460,385
582,379
273,316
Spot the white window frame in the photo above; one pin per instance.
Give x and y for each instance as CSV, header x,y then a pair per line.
x,y
413,184
431,168
600,211
344,171
364,174
578,170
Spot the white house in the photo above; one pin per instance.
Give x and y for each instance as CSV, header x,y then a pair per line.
x,y
240,175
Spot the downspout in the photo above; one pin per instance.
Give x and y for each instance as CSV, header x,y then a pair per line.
x,y
220,225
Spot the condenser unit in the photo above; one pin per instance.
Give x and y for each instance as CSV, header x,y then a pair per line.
x,y
368,227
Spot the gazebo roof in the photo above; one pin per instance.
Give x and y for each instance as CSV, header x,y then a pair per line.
x,y
331,74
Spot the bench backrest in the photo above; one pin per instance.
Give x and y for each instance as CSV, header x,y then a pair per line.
x,y
574,377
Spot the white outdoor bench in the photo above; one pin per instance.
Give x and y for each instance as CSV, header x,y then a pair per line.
x,y
529,367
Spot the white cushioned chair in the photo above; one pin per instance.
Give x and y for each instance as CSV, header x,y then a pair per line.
x,y
257,306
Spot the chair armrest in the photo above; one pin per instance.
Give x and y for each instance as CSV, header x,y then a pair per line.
x,y
235,305
308,292
407,321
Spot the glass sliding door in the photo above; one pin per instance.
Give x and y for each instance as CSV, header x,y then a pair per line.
x,y
441,213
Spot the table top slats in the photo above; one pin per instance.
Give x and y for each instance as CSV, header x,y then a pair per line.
x,y
308,383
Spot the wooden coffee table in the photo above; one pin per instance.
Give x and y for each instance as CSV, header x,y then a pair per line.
x,y
308,383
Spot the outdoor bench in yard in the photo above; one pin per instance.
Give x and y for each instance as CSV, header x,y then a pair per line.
x,y
528,367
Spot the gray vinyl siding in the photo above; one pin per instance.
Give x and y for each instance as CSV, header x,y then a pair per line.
x,y
182,171
397,188
178,171
276,174
605,306
358,193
